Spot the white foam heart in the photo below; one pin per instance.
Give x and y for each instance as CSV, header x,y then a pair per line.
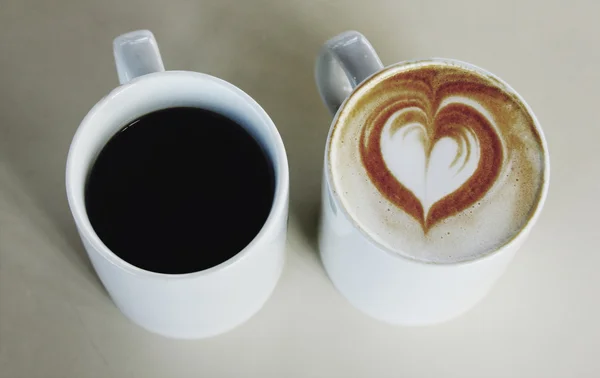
x,y
451,162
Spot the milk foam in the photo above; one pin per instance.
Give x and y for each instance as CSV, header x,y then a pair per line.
x,y
436,161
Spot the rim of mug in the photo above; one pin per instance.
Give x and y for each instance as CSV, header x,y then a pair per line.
x,y
279,198
391,70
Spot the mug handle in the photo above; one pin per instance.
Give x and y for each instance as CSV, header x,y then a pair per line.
x,y
136,54
344,62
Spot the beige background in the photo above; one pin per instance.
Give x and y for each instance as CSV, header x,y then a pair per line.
x,y
541,320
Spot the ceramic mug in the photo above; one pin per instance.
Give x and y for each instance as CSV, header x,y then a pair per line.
x,y
384,284
203,303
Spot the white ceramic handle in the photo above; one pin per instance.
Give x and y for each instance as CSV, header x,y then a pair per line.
x,y
344,62
136,54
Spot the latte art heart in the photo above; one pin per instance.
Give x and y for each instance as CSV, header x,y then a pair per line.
x,y
432,164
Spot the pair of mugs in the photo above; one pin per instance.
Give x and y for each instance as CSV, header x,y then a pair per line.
x,y
389,287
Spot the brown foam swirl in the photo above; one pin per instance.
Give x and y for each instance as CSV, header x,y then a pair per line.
x,y
421,100
448,121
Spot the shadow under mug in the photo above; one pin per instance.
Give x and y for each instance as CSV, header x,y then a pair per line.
x,y
199,304
382,283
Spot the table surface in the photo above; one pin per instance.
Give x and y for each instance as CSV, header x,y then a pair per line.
x,y
56,320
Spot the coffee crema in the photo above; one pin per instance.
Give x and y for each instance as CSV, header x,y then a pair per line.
x,y
437,161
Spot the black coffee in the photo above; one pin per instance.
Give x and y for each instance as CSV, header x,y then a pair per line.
x,y
179,190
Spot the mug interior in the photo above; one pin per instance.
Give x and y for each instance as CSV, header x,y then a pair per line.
x,y
160,91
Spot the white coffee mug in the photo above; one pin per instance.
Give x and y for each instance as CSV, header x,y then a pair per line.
x,y
198,304
380,282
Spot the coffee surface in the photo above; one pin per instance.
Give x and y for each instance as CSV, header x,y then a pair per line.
x,y
179,190
437,161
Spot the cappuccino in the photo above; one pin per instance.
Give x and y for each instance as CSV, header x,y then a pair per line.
x,y
437,161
